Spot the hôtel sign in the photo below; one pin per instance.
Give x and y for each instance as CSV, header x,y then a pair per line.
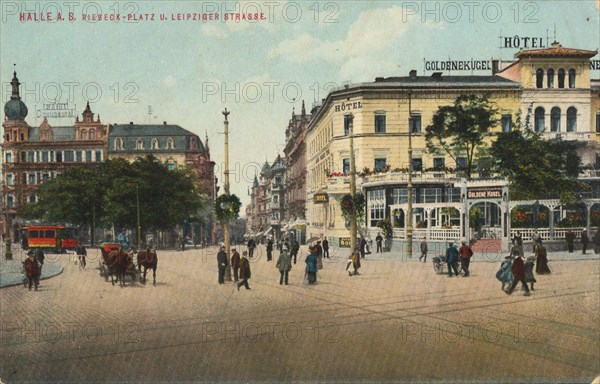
x,y
484,193
321,198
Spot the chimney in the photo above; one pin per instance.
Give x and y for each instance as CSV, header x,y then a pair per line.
x,y
436,75
164,123
131,123
412,74
495,66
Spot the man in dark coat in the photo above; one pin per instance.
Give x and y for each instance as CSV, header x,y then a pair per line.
x,y
81,254
223,263
244,272
270,249
39,255
518,271
452,259
235,264
379,241
325,248
251,246
423,250
596,241
32,270
294,249
569,237
584,241
362,246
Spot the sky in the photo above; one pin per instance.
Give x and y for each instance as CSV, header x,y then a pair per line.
x,y
154,55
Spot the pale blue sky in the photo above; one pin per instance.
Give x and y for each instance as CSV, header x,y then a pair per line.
x,y
183,68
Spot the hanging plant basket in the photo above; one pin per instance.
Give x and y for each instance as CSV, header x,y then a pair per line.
x,y
351,205
227,208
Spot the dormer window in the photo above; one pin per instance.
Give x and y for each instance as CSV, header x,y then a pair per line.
x,y
83,134
118,144
92,134
170,144
155,144
139,144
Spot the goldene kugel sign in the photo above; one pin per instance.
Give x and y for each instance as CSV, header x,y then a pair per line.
x,y
484,193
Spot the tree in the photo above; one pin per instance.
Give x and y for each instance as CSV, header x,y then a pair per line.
x,y
460,129
537,168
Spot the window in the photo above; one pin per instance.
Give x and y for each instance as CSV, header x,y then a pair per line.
x,y
31,156
555,119
539,78
23,156
550,78
59,157
68,155
45,157
461,163
139,144
506,123
598,122
83,134
571,119
10,201
10,180
380,123
561,78
400,196
31,179
415,123
45,177
170,144
88,156
171,165
79,156
572,78
453,195
98,155
346,166
376,206
275,199
379,164
417,164
431,195
439,163
154,144
347,122
540,116
9,157
92,134
31,199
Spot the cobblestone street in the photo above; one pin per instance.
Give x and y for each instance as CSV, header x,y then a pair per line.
x,y
398,321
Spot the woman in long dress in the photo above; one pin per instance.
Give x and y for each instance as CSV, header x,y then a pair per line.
x,y
541,256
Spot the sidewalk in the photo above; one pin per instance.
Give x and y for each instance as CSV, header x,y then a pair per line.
x,y
10,272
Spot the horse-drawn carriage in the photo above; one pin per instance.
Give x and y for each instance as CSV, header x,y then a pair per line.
x,y
116,261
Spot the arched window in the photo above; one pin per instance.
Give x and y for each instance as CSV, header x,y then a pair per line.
x,y
540,115
22,137
92,134
550,78
83,134
572,78
561,78
7,136
139,144
170,144
155,144
555,119
571,119
539,78
23,156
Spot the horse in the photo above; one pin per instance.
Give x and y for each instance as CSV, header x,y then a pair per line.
x,y
147,259
117,262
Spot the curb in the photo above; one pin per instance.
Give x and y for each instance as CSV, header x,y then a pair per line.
x,y
61,270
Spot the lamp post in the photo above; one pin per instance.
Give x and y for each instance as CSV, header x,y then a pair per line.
x,y
352,185
409,186
137,204
8,254
226,233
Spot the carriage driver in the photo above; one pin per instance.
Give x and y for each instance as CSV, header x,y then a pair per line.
x,y
123,239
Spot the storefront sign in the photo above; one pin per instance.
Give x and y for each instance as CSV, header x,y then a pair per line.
x,y
344,242
484,193
458,65
321,198
348,106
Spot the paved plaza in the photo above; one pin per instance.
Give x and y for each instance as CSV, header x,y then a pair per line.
x,y
396,322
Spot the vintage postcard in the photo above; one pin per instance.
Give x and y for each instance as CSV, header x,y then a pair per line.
x,y
318,191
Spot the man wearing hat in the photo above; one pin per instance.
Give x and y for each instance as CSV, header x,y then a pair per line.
x,y
235,264
452,259
284,264
518,271
32,269
223,263
123,239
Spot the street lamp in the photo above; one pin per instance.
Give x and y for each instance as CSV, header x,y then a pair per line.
x,y
409,186
352,184
226,233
